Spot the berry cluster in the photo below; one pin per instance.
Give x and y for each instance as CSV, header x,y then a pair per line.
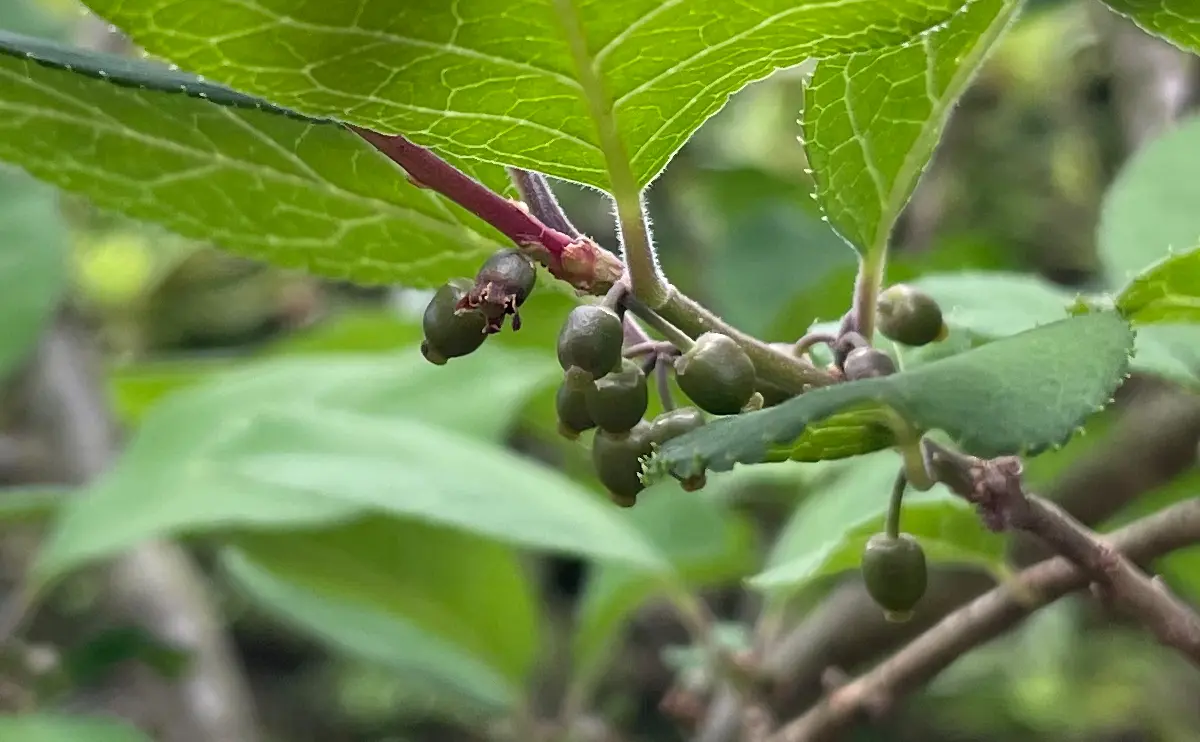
x,y
605,386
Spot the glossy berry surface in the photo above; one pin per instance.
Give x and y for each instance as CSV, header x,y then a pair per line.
x,y
450,333
674,423
617,460
895,573
591,340
617,401
868,363
716,374
570,403
909,316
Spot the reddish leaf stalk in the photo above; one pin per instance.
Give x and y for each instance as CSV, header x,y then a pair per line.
x,y
578,261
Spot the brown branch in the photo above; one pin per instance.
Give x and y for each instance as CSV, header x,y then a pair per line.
x,y
995,487
983,619
577,260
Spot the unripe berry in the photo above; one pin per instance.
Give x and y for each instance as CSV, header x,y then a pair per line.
x,y
895,574
909,316
591,340
450,333
617,401
716,374
617,460
867,363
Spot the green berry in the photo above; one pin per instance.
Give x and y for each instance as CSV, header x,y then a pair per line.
x,y
867,363
448,332
674,423
617,460
716,374
571,405
617,401
895,574
591,340
909,316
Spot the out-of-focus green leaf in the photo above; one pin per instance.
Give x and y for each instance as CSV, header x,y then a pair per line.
x,y
164,147
93,659
446,607
828,531
62,728
706,542
543,85
872,119
1178,22
1021,394
31,504
1165,293
322,439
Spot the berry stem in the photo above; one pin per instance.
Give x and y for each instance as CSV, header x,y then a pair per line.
x,y
806,343
543,205
662,382
673,334
892,526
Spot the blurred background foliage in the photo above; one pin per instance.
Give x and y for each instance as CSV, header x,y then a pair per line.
x,y
1017,185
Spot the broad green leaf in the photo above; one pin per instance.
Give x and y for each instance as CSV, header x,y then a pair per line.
x,y
705,541
1178,22
1021,394
872,119
33,263
446,607
996,304
208,163
321,439
30,504
55,728
1149,211
539,84
828,531
1166,292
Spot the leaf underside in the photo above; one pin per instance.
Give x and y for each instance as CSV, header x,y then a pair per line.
x,y
498,81
208,163
1021,394
1177,21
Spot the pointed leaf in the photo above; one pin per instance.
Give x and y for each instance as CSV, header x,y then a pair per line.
x,y
828,531
872,119
447,608
1166,292
706,542
321,439
53,728
1020,394
521,82
211,164
1177,22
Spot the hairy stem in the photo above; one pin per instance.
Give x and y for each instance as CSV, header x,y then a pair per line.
x,y
646,281
866,292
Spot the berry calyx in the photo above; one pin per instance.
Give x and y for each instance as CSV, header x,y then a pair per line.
x,y
716,374
618,400
867,363
503,283
895,574
591,340
909,316
570,403
451,332
617,460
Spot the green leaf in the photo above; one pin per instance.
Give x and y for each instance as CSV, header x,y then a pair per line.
x,y
33,504
996,304
33,263
538,84
828,531
1021,394
705,541
1177,22
872,119
446,607
207,163
51,728
321,439
1166,292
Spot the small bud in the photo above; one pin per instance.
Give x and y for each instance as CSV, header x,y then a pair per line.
x,y
910,316
867,363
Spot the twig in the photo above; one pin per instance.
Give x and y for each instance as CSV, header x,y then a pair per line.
x,y
543,205
983,619
577,260
995,487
